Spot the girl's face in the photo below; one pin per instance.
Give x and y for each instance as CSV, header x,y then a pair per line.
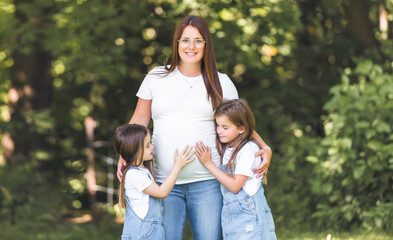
x,y
226,130
147,149
191,54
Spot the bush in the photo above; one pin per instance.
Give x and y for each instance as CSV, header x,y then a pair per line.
x,y
353,172
33,207
25,193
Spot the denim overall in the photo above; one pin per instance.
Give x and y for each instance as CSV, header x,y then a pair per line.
x,y
148,228
246,217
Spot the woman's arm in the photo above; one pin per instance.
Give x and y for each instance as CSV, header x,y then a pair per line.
x,y
163,190
142,115
234,184
265,153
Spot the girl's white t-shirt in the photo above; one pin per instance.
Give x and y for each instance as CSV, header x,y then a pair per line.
x,y
244,163
182,115
136,181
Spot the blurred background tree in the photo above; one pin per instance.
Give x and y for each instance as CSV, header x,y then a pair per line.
x,y
317,73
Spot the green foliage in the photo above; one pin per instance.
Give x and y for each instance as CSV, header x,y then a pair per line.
x,y
379,216
29,229
283,56
26,194
353,174
33,208
288,191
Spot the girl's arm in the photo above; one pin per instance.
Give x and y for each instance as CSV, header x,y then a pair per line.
x,y
141,116
181,161
234,184
265,153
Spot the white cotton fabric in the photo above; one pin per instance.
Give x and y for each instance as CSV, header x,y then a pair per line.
x,y
136,181
182,116
244,163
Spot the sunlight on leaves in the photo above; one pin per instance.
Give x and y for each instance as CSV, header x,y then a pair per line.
x,y
149,33
7,7
76,185
57,82
227,15
42,155
58,67
76,204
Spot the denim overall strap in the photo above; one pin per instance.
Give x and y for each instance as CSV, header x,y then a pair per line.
x,y
155,210
228,196
148,228
244,216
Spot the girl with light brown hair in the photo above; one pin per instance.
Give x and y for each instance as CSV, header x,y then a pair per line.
x,y
245,213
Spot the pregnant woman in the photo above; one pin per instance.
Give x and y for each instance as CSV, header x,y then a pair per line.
x,y
181,99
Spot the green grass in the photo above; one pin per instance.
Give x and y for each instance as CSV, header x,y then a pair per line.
x,y
294,235
108,229
355,235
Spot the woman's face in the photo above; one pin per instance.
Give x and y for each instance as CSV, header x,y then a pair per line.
x,y
191,54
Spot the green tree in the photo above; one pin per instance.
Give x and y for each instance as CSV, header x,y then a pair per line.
x,y
354,167
62,61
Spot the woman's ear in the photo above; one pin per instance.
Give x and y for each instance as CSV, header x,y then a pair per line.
x,y
242,129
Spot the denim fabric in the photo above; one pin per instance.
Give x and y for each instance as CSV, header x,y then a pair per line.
x,y
201,202
246,217
148,228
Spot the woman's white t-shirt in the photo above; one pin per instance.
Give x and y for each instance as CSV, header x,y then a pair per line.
x,y
244,163
137,180
182,115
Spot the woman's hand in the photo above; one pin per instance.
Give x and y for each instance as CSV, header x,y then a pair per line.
x,y
120,165
266,154
203,153
182,159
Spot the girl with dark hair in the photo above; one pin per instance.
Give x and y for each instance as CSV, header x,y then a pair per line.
x,y
245,213
181,99
138,192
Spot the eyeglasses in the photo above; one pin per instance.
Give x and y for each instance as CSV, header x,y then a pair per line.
x,y
198,42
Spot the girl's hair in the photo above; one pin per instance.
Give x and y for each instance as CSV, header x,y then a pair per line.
x,y
239,113
128,141
208,67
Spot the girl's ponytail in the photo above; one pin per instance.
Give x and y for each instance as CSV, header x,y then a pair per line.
x,y
122,199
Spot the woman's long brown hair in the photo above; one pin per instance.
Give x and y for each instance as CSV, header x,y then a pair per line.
x,y
128,141
208,66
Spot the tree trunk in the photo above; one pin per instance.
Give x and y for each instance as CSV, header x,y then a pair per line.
x,y
90,124
359,25
31,84
383,20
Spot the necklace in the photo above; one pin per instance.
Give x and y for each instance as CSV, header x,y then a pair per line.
x,y
185,79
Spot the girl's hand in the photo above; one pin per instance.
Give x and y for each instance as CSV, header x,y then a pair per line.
x,y
266,155
182,159
120,165
203,153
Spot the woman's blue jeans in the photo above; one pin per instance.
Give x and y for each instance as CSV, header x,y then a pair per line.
x,y
201,202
